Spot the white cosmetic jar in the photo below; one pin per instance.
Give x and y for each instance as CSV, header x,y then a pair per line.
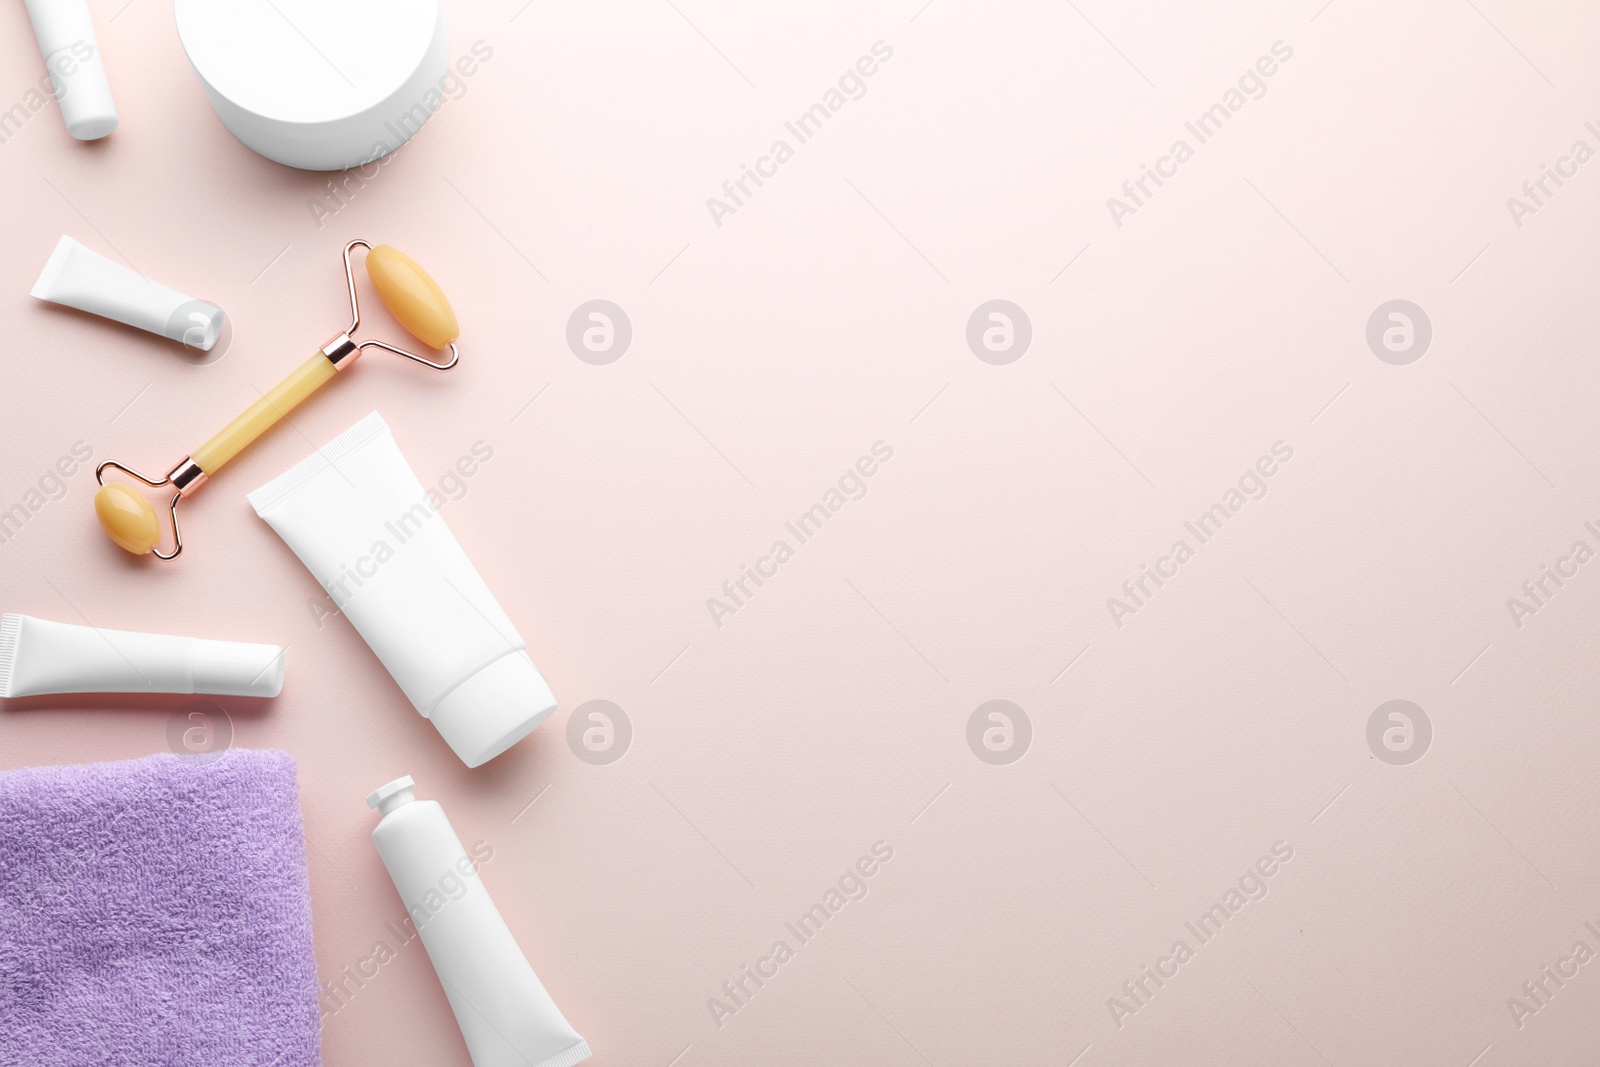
x,y
318,84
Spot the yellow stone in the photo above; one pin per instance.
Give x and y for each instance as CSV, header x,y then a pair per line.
x,y
128,518
413,298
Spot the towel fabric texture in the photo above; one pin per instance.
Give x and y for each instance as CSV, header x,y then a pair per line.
x,y
156,912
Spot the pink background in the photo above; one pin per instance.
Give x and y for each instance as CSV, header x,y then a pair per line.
x,y
830,711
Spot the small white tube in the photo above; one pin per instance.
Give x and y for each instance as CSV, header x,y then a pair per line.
x,y
505,1014
38,658
82,278
358,518
72,56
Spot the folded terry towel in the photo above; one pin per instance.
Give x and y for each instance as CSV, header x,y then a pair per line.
x,y
156,912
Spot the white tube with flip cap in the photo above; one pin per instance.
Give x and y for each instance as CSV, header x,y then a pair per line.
x,y
72,56
82,278
39,658
361,522
505,1014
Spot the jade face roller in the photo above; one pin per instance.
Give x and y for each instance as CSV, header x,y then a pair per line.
x,y
416,302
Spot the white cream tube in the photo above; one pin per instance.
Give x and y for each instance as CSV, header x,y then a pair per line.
x,y
361,522
38,658
81,278
72,56
505,1014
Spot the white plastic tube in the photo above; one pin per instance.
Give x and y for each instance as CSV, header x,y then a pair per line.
x,y
361,522
506,1017
81,278
38,658
72,56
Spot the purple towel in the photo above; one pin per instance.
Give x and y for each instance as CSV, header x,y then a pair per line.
x,y
156,912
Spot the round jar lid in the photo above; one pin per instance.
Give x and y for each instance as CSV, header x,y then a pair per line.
x,y
318,84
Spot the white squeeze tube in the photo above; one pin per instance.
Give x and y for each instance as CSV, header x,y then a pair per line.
x,y
361,522
505,1014
72,56
39,658
82,278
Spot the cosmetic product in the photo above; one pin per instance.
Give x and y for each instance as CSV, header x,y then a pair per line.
x,y
411,296
157,912
78,277
319,84
505,1014
361,522
38,657
72,57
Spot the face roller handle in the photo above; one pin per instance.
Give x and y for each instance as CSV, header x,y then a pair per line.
x,y
411,296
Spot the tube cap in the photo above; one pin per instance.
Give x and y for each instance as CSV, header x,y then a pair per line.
x,y
196,324
494,709
277,92
84,94
236,669
391,795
